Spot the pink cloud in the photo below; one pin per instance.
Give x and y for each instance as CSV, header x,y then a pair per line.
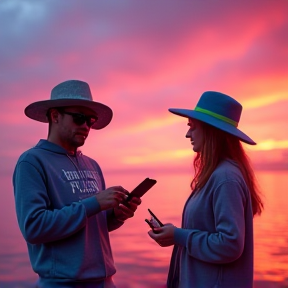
x,y
141,61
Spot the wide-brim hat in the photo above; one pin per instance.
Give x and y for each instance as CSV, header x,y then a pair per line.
x,y
70,93
218,110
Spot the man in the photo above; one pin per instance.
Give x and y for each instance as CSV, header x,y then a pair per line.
x,y
63,208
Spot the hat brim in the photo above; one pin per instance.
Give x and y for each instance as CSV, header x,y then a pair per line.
x,y
215,122
38,110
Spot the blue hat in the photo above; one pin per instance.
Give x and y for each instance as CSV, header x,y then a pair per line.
x,y
218,110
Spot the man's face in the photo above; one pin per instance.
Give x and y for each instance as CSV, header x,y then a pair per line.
x,y
72,129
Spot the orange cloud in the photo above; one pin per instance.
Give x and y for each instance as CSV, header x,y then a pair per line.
x,y
266,99
158,157
270,144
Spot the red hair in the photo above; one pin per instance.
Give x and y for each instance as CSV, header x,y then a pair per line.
x,y
219,145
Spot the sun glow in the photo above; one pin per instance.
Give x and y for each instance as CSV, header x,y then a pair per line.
x,y
270,144
151,124
159,156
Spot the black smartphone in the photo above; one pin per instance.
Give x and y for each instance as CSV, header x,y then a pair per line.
x,y
154,216
154,222
142,188
150,224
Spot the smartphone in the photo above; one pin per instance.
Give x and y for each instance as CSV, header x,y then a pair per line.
x,y
153,216
154,222
142,188
150,224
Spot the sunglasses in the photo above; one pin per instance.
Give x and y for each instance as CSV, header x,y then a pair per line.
x,y
80,119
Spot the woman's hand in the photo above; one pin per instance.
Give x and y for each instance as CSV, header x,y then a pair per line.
x,y
164,236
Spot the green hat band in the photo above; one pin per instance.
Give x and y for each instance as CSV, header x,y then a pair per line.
x,y
218,116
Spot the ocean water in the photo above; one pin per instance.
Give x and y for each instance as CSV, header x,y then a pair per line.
x,y
140,262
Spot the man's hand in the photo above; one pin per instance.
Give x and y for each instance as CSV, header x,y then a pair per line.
x,y
164,236
111,197
123,212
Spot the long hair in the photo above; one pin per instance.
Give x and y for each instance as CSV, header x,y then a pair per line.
x,y
217,146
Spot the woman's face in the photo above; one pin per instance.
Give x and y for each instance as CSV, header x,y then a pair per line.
x,y
195,133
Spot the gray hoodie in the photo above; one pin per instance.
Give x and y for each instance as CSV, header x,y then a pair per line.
x,y
66,233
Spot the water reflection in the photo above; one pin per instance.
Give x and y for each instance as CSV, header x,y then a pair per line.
x,y
271,235
140,262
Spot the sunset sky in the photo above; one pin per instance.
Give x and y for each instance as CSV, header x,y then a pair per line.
x,y
141,58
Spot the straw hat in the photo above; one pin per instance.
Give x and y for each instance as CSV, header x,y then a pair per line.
x,y
70,93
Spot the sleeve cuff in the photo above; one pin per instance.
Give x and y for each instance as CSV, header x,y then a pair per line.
x,y
92,206
180,236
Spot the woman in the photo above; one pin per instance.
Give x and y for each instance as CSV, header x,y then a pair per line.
x,y
214,247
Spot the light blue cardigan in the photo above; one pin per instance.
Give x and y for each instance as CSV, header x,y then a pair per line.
x,y
214,247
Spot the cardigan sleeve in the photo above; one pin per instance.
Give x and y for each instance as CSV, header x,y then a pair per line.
x,y
227,243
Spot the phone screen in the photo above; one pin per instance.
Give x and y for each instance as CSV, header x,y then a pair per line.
x,y
155,219
154,222
142,188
